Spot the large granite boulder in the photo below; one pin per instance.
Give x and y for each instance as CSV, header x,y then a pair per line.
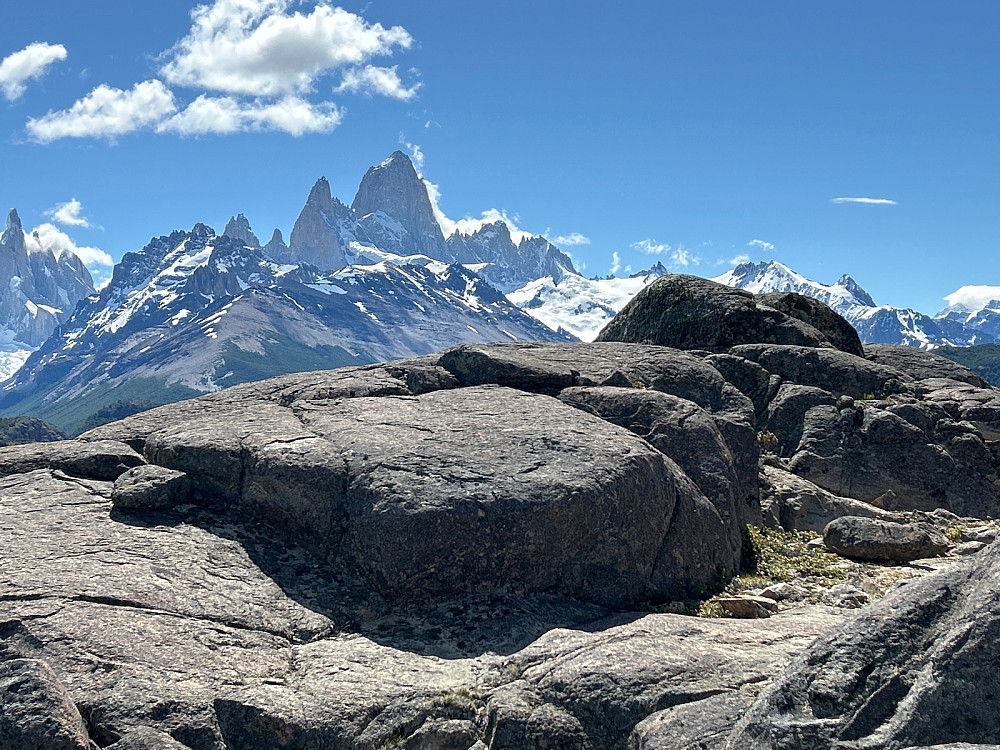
x,y
819,315
688,312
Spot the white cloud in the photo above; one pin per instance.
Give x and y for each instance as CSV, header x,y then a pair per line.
x,y
677,257
30,63
69,213
374,80
258,47
49,236
767,247
870,201
570,240
224,115
616,263
973,298
736,260
107,112
416,154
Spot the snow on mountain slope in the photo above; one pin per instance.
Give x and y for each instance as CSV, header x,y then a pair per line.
x,y
876,324
578,305
194,312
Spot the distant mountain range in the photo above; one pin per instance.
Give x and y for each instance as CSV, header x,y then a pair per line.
x,y
195,311
972,318
377,280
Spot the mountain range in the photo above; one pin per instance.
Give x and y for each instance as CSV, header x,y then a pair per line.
x,y
375,280
972,318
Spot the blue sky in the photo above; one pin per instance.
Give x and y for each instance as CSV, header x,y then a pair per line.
x,y
687,132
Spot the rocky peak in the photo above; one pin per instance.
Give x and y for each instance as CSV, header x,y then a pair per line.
x,y
276,249
856,289
202,231
321,196
395,189
239,229
13,220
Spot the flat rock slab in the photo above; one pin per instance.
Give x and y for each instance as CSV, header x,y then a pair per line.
x,y
150,488
103,459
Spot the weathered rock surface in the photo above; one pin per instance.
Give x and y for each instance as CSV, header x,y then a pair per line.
x,y
150,487
688,312
915,669
874,539
36,710
796,504
920,364
102,459
819,315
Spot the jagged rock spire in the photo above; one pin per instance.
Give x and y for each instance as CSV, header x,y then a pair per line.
x,y
13,220
239,229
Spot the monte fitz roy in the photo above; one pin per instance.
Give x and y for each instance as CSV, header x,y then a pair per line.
x,y
196,311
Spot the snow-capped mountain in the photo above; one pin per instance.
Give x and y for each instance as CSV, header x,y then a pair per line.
x,y
392,218
579,305
38,290
193,312
976,308
876,324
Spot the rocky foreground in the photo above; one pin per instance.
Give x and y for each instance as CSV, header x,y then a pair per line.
x,y
475,549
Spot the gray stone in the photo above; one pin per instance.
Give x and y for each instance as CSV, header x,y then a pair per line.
x,y
969,548
820,316
144,738
748,607
917,668
873,539
786,411
150,488
829,369
796,504
699,725
36,710
688,312
103,459
846,596
921,364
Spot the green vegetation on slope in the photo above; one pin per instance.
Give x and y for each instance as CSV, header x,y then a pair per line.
x,y
21,430
984,359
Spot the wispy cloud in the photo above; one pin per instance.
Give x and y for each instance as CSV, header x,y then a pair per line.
x,y
767,247
616,263
49,236
735,260
27,64
676,257
225,115
372,80
570,240
870,201
69,213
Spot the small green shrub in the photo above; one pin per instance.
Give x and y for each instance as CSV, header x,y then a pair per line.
x,y
767,441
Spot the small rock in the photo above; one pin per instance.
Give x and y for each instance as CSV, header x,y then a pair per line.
x,y
816,543
969,548
443,734
36,710
784,592
150,488
845,402
984,534
748,607
871,539
145,738
846,596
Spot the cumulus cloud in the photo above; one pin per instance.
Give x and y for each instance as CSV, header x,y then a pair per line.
x,y
767,247
107,112
616,263
374,80
570,240
870,201
258,47
49,236
28,64
677,257
224,115
69,213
